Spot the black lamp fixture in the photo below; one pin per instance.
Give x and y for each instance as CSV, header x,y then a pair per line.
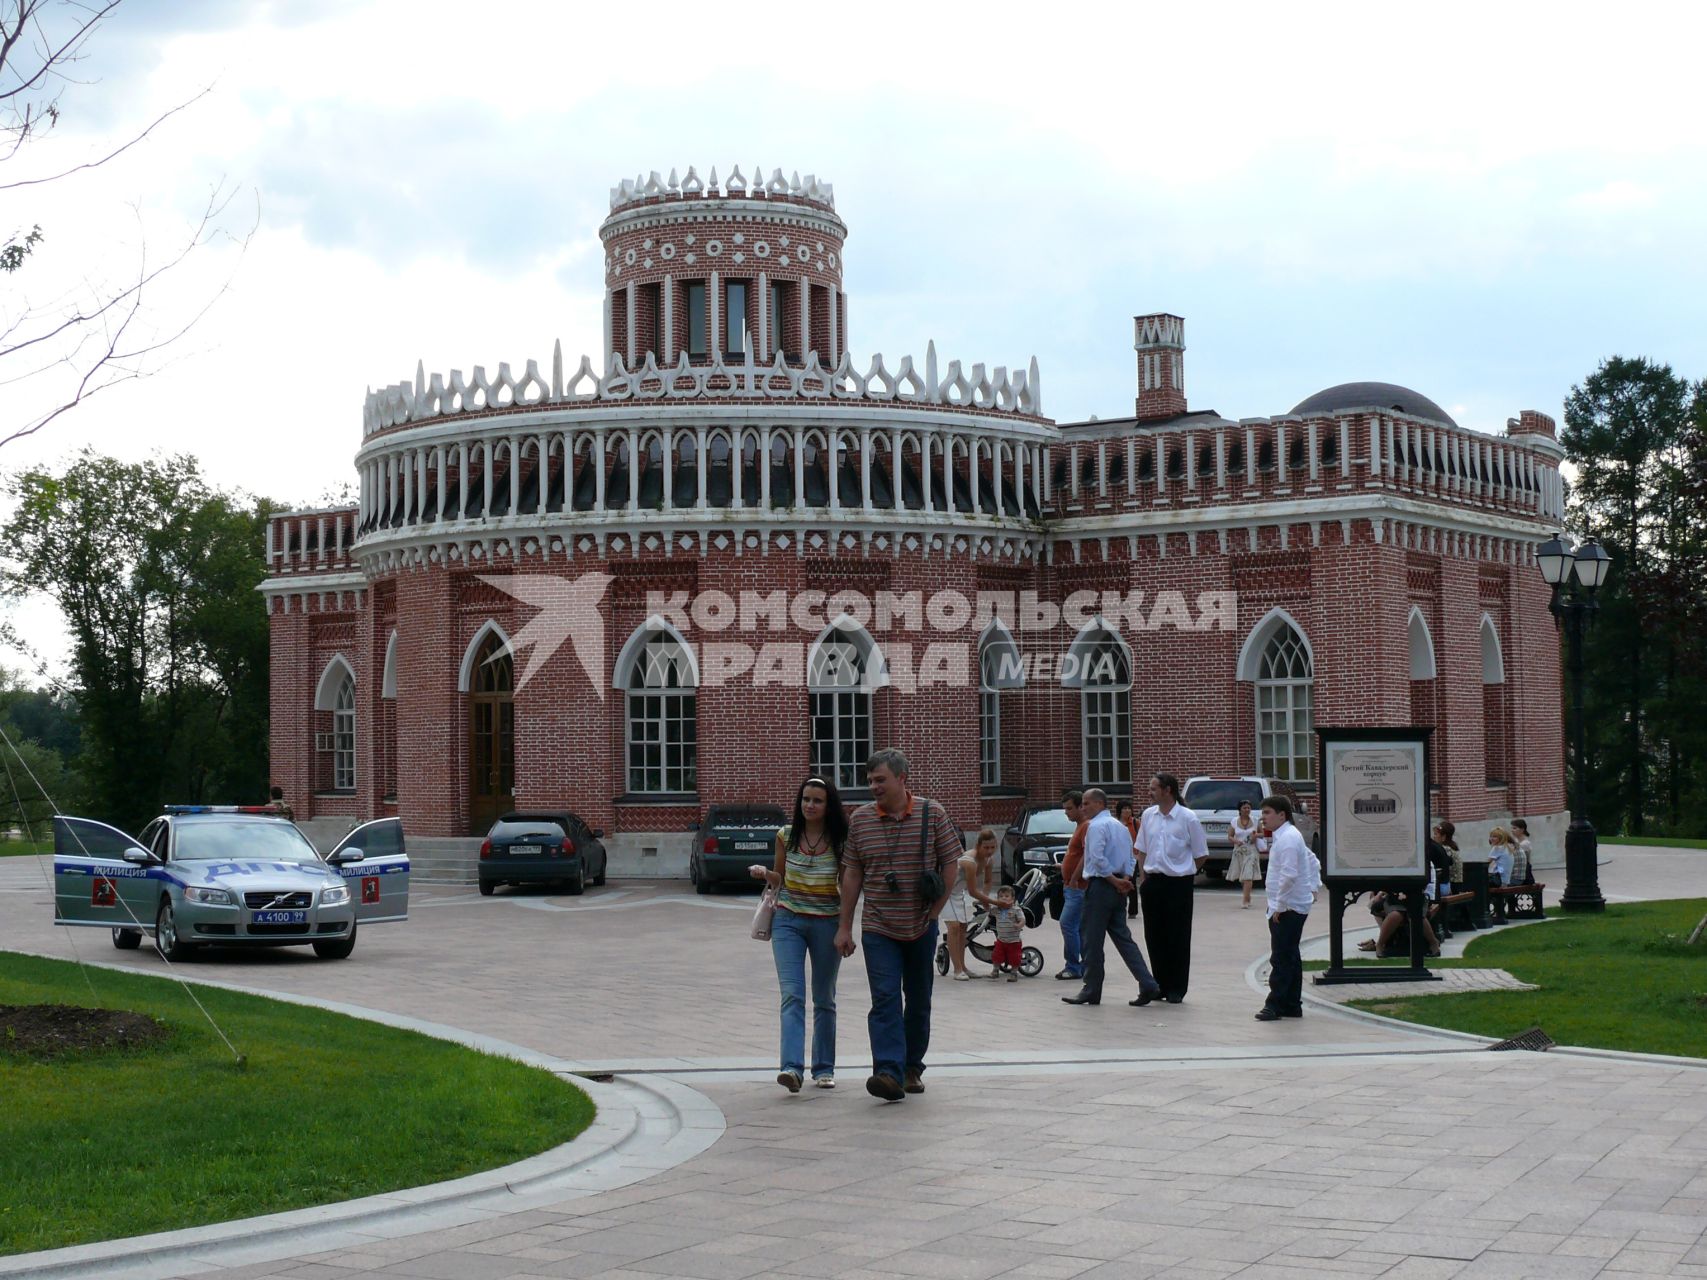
x,y
1576,575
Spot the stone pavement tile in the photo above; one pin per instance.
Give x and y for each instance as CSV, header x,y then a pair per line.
x,y
456,1264
1635,1259
1518,1266
1583,1246
699,1263
1424,1269
1528,1241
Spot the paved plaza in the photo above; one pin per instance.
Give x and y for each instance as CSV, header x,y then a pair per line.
x,y
1053,1142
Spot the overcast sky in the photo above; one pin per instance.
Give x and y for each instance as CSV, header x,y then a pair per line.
x,y
1479,201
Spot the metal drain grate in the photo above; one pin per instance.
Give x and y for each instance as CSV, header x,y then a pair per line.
x,y
1535,1040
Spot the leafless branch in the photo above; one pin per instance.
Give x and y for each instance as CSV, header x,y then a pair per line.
x,y
115,152
100,335
107,327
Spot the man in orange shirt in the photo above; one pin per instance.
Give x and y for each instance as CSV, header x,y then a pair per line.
x,y
1073,890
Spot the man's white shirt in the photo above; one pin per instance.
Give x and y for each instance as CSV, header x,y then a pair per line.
x,y
1293,872
1108,849
1171,842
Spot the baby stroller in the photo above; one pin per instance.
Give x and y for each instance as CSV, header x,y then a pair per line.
x,y
981,933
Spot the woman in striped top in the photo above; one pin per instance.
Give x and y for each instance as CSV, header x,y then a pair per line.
x,y
806,876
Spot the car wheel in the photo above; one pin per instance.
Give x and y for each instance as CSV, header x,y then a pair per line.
x,y
701,885
578,884
604,867
166,940
337,948
127,939
486,888
1215,873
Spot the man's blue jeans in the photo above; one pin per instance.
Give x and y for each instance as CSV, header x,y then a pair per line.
x,y
793,938
900,974
1072,912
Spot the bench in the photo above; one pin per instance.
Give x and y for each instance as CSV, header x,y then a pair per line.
x,y
1455,911
1522,901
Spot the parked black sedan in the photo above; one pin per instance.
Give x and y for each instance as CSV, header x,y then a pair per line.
x,y
731,838
542,848
1038,837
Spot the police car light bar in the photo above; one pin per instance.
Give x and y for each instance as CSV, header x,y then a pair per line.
x,y
179,809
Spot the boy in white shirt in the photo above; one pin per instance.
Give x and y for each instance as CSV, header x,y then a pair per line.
x,y
1294,875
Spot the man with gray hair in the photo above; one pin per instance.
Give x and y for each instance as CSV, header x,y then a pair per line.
x,y
900,850
1108,879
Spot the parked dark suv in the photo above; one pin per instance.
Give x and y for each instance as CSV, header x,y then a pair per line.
x,y
731,838
542,848
1038,837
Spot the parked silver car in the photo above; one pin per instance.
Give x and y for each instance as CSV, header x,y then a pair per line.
x,y
1215,801
205,875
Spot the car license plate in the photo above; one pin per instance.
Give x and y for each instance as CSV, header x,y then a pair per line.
x,y
744,845
1219,828
281,917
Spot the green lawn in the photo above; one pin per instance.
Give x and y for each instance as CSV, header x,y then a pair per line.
x,y
327,1108
1619,980
19,848
1656,842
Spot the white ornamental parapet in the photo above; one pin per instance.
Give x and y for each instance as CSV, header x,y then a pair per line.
x,y
635,189
1017,391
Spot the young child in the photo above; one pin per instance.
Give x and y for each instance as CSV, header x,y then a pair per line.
x,y
1010,926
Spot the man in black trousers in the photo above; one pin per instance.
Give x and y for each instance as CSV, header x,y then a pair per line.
x,y
1171,850
1108,879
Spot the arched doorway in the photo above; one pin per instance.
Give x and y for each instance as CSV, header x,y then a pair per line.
x,y
491,734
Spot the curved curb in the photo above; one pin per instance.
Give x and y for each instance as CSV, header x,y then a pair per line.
x,y
1468,1039
641,1128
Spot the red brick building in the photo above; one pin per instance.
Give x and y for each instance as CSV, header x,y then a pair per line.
x,y
561,589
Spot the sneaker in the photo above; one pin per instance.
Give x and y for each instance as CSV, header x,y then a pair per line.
x,y
1012,976
789,1080
915,1082
824,1082
996,973
963,976
1068,975
882,1085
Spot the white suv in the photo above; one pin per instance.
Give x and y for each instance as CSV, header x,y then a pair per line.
x,y
1215,801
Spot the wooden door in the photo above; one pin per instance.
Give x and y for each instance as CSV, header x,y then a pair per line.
x,y
491,736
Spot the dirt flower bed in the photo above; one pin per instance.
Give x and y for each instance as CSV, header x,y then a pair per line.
x,y
55,1030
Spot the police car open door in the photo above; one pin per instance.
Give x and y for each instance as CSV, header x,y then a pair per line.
x,y
101,876
379,883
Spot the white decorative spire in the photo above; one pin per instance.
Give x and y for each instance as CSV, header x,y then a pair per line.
x,y
736,184
672,186
691,185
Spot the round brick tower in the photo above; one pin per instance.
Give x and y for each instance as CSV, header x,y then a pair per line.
x,y
729,272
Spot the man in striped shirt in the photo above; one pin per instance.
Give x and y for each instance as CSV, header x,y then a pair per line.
x,y
891,843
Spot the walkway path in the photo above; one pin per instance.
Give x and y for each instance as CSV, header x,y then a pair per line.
x,y
1053,1142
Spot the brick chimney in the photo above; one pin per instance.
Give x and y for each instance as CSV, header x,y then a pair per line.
x,y
1531,422
1160,342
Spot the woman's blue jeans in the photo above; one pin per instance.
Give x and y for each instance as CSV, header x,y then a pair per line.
x,y
793,939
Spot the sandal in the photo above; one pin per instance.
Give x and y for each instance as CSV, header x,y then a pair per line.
x,y
1368,944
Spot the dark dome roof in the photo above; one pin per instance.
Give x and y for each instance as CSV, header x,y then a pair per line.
x,y
1379,395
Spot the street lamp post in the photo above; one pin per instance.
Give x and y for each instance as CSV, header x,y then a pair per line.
x,y
1576,574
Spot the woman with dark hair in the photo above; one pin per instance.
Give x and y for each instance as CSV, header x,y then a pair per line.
x,y
806,875
1124,813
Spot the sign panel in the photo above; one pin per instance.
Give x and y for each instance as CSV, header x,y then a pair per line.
x,y
1375,796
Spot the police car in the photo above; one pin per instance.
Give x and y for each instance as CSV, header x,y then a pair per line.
x,y
227,875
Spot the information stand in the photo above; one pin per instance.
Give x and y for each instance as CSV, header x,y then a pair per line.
x,y
1375,828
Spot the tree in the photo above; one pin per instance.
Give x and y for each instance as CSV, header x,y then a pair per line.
x,y
155,575
1628,429
108,332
